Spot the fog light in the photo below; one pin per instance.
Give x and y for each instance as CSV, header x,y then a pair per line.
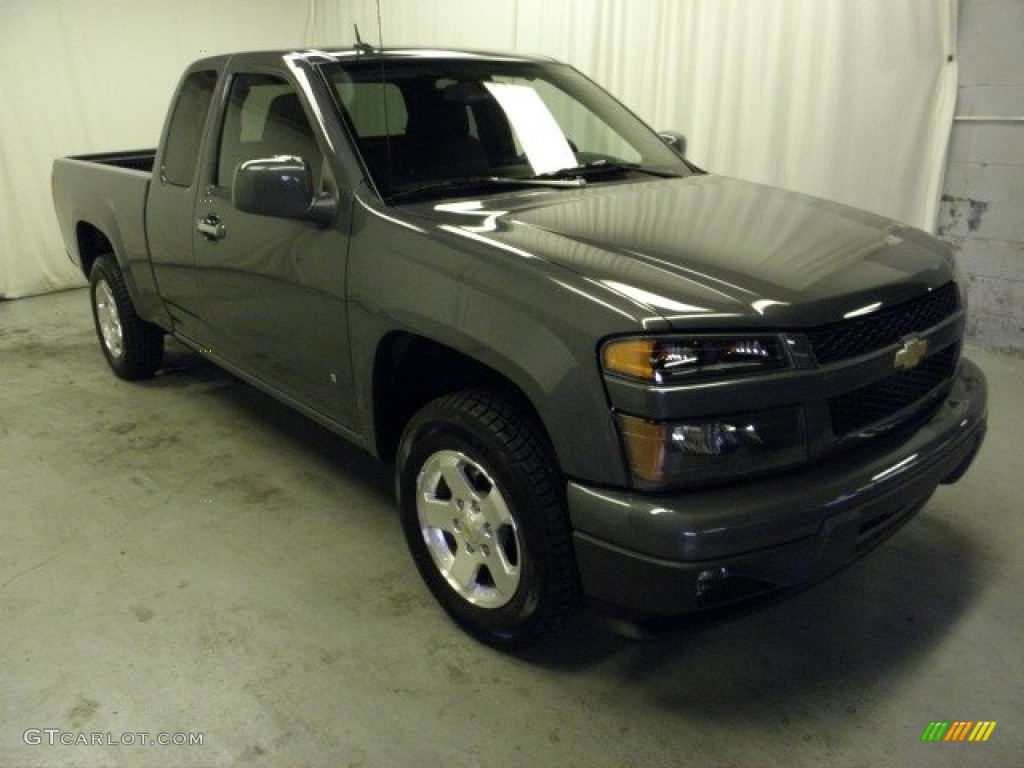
x,y
711,578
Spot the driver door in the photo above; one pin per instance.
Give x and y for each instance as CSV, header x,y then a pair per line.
x,y
272,290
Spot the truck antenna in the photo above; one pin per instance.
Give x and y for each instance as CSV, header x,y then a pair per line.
x,y
360,45
384,100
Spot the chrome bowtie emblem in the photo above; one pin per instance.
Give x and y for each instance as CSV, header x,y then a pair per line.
x,y
911,354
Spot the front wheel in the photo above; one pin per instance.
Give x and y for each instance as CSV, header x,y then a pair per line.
x,y
483,512
133,347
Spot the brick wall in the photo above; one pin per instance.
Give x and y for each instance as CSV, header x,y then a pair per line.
x,y
982,212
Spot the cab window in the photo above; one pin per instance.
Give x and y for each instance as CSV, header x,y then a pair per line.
x,y
264,118
185,134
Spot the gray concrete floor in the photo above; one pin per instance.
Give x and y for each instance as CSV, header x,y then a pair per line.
x,y
185,556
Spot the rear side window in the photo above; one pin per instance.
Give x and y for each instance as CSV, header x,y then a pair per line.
x,y
186,130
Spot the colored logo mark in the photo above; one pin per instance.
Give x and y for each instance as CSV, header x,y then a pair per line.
x,y
958,730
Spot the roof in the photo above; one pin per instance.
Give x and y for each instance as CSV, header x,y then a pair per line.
x,y
340,54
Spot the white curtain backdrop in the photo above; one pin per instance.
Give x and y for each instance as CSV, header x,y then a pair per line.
x,y
846,99
81,76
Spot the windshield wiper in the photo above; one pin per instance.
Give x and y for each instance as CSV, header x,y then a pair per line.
x,y
604,167
475,183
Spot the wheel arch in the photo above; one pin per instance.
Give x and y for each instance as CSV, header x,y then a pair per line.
x,y
411,370
92,242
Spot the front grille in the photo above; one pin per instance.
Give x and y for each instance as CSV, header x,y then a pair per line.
x,y
878,401
850,338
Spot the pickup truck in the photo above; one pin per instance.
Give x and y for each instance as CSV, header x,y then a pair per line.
x,y
603,376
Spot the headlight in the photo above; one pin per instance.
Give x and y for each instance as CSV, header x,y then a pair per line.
x,y
674,453
681,360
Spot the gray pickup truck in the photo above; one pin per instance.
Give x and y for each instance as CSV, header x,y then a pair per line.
x,y
599,371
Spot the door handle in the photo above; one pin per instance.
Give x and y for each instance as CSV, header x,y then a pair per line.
x,y
211,227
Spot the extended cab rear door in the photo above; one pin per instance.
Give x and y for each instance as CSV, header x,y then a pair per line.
x,y
172,195
272,290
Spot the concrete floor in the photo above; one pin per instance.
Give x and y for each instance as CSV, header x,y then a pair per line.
x,y
185,556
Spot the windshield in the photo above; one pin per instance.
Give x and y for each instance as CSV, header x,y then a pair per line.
x,y
441,124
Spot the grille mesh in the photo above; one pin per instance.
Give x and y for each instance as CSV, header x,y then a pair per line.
x,y
850,338
877,401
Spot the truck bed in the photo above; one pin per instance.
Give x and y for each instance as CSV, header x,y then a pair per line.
x,y
135,160
103,196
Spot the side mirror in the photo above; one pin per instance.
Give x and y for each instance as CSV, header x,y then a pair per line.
x,y
280,186
675,140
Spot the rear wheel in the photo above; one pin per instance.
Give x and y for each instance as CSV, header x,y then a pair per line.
x,y
484,516
133,347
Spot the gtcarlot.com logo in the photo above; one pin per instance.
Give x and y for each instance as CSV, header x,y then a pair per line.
x,y
54,736
958,730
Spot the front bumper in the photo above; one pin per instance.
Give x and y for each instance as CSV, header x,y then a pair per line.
x,y
663,555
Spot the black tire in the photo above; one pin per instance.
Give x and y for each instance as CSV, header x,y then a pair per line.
x,y
133,347
499,560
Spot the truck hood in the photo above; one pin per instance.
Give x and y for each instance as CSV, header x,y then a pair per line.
x,y
709,251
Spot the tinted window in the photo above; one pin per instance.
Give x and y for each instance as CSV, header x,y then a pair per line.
x,y
186,130
264,118
375,109
421,124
